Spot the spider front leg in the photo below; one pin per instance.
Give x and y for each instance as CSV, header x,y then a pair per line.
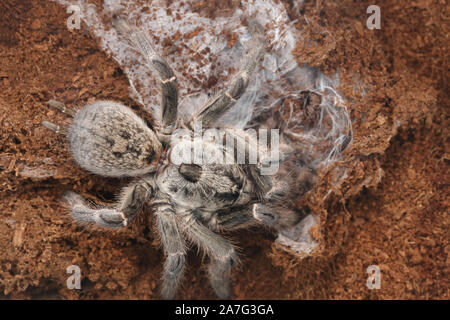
x,y
275,216
235,219
222,254
169,101
130,204
220,104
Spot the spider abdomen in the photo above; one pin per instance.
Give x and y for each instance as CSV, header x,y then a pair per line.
x,y
109,139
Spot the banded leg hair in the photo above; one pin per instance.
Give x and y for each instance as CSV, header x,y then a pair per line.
x,y
220,104
173,245
277,215
130,204
222,254
235,219
275,210
169,99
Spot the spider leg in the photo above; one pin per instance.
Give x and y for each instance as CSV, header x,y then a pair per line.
x,y
169,100
235,219
265,214
221,103
279,190
277,217
223,255
249,155
173,246
130,204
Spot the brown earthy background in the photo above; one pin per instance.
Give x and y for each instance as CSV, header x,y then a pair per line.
x,y
391,209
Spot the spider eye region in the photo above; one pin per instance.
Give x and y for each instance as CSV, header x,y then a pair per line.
x,y
190,172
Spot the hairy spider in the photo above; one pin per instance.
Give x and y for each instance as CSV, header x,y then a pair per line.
x,y
190,201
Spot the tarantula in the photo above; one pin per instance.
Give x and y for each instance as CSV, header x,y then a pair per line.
x,y
190,201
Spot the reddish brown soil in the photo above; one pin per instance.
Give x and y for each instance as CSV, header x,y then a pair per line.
x,y
391,209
